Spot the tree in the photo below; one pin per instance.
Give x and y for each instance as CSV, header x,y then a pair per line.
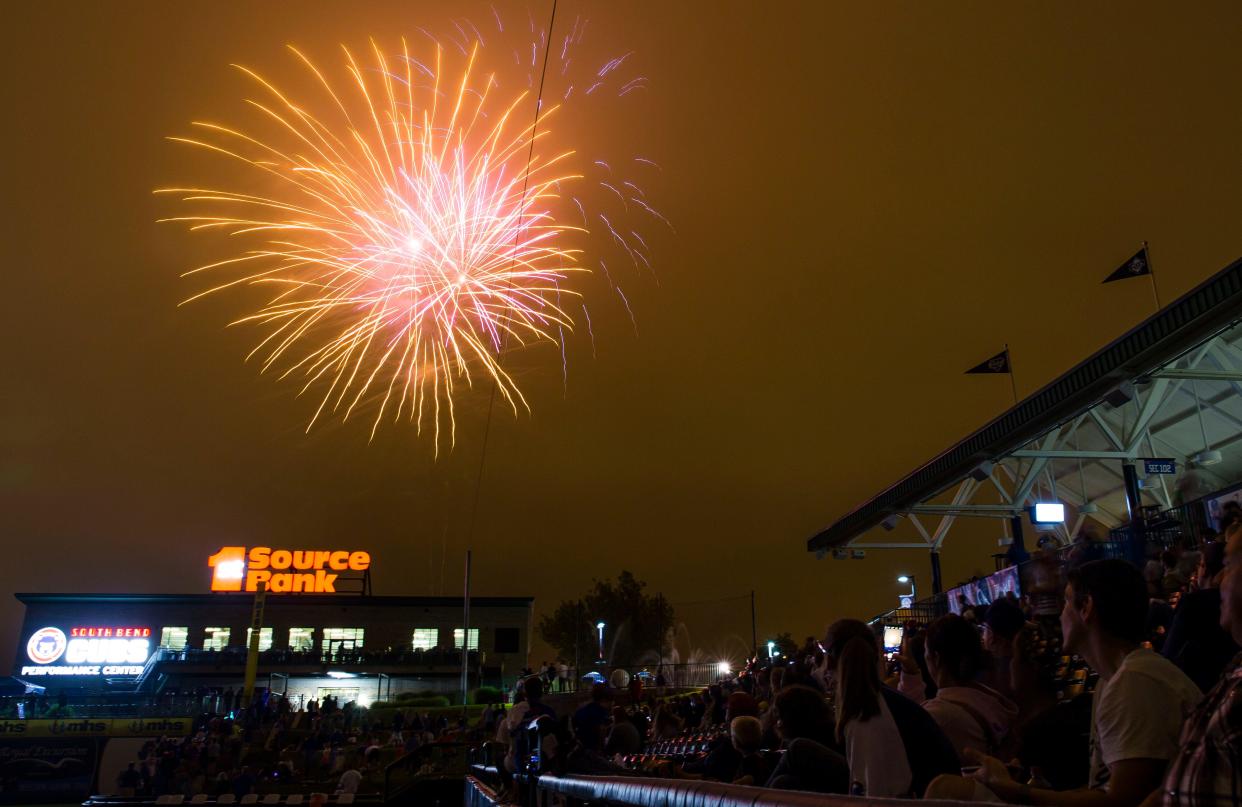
x,y
785,644
635,623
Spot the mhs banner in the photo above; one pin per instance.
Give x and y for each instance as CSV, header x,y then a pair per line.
x,y
97,727
283,571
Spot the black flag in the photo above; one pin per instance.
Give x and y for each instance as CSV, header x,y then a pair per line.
x,y
997,364
1135,267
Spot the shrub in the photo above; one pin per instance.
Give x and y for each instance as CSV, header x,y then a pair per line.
x,y
421,699
487,695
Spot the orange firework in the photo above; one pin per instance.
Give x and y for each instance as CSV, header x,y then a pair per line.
x,y
407,235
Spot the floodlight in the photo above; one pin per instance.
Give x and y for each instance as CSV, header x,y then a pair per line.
x,y
1207,457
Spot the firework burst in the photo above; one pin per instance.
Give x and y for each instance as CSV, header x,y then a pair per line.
x,y
407,235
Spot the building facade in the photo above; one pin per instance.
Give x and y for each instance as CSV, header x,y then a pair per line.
x,y
353,646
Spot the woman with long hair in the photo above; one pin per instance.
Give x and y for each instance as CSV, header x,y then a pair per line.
x,y
892,745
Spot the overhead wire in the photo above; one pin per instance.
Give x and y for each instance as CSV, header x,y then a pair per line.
x,y
491,405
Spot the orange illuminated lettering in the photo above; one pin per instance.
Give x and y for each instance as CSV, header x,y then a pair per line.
x,y
229,568
259,557
236,569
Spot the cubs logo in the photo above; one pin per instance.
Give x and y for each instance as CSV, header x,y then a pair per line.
x,y
46,645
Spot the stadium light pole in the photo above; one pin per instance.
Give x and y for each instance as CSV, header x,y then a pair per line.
x,y
600,627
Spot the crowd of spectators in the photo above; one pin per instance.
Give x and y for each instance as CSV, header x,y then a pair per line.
x,y
1130,694
270,746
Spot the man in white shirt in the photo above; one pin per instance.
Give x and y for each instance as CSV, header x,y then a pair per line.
x,y
1139,704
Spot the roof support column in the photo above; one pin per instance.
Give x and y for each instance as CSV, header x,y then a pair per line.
x,y
1134,503
1017,550
935,570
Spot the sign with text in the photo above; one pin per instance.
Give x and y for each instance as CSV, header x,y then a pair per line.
x,y
43,771
1159,466
98,727
106,650
283,571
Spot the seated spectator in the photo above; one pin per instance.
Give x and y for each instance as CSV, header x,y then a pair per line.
x,y
1140,702
747,736
1205,772
590,726
666,725
590,722
1196,642
721,761
971,714
1008,673
893,746
349,781
811,761
623,738
1172,579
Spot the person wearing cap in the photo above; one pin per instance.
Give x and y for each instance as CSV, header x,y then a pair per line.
x,y
1013,672
1196,642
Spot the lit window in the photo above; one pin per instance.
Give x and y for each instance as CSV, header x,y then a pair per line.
x,y
301,640
174,638
426,638
474,638
265,638
337,640
215,638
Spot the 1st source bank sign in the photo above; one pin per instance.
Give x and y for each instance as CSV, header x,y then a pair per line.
x,y
283,571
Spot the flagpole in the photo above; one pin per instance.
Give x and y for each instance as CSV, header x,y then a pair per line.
x,y
1013,384
1151,272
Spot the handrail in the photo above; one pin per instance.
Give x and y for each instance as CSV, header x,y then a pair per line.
x,y
646,792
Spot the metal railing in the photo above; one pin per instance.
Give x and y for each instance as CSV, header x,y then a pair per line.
x,y
575,791
653,676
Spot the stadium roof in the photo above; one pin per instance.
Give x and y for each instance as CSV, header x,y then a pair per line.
x,y
1178,376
